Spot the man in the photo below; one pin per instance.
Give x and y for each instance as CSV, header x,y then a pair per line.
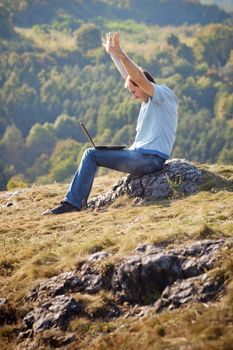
x,y
155,137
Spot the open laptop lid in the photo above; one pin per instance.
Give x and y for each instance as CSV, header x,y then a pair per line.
x,y
99,147
87,134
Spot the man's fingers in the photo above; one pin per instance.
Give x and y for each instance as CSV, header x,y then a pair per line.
x,y
110,38
117,38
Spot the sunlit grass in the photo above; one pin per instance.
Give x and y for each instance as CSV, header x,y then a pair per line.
x,y
135,37
35,247
52,41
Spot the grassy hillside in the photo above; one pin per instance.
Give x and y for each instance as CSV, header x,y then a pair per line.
x,y
34,247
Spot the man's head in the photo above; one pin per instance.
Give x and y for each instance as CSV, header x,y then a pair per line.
x,y
136,92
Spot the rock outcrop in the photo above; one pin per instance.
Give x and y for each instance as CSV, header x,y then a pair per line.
x,y
54,313
178,177
154,278
142,278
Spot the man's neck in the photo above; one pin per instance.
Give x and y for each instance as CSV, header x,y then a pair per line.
x,y
145,99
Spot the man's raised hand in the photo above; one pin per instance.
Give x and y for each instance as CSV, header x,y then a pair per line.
x,y
106,42
111,44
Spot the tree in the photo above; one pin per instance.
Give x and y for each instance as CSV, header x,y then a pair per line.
x,y
40,167
88,37
67,127
173,40
40,140
224,106
216,44
64,160
20,102
13,147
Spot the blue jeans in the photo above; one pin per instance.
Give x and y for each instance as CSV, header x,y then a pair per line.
x,y
126,161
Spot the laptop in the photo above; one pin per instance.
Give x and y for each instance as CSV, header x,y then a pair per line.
x,y
99,147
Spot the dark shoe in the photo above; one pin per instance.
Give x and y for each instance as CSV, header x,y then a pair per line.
x,y
64,207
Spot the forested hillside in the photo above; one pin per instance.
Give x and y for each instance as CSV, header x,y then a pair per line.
x,y
54,73
226,4
172,12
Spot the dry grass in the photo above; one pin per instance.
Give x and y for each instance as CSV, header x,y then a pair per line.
x,y
34,247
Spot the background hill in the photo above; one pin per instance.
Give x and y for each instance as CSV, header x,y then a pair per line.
x,y
54,73
173,12
226,4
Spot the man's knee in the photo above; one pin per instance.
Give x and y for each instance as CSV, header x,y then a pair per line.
x,y
89,153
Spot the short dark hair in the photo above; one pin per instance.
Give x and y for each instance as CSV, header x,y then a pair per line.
x,y
147,75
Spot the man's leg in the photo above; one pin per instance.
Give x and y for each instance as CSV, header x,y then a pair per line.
x,y
127,161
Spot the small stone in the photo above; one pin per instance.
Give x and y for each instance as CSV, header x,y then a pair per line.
x,y
98,256
3,301
26,334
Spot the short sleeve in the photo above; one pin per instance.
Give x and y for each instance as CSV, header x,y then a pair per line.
x,y
162,93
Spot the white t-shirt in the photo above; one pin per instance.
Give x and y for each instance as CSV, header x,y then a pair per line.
x,y
157,123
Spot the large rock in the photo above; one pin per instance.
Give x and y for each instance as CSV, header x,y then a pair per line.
x,y
142,278
178,177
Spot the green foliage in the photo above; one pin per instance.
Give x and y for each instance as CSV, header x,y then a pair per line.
x,y
41,139
40,167
16,181
173,40
226,4
63,23
19,101
13,148
160,12
124,136
88,37
216,44
66,127
62,170
64,160
66,22
226,156
45,95
224,106
6,27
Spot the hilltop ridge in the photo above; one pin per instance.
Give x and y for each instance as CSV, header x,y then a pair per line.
x,y
156,12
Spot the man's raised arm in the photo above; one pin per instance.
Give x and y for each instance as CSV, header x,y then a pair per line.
x,y
119,65
132,70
